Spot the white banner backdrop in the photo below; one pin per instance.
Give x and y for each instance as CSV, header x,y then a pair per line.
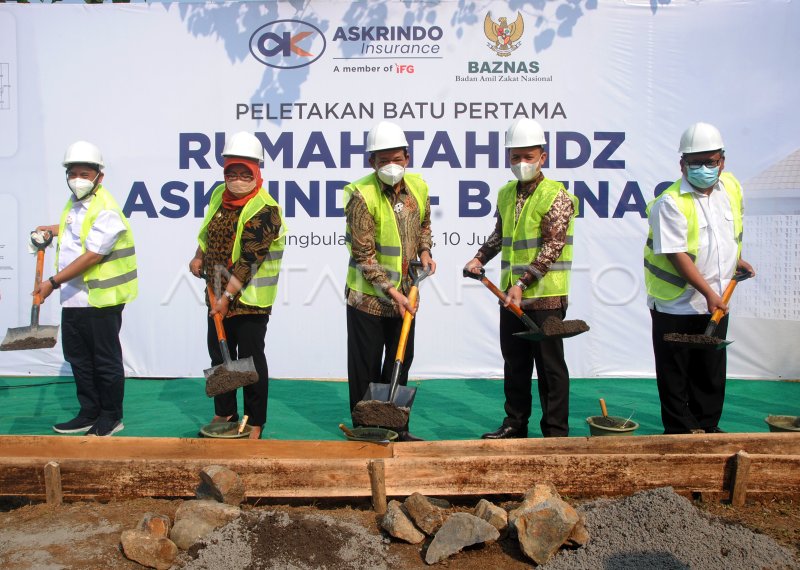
x,y
158,86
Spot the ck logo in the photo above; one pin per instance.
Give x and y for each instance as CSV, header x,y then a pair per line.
x,y
287,44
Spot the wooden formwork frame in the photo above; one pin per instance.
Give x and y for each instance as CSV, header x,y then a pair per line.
x,y
733,466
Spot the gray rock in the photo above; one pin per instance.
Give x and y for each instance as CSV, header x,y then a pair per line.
x,y
397,524
540,493
494,515
425,515
155,525
542,530
459,530
214,513
188,531
222,484
148,550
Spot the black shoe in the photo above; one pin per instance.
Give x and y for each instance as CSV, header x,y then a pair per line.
x,y
714,429
506,432
105,427
408,436
75,425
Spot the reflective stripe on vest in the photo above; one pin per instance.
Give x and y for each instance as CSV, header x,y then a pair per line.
x,y
522,239
262,289
114,279
661,278
388,248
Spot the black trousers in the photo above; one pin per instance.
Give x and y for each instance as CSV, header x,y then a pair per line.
x,y
245,334
552,374
90,339
371,351
691,382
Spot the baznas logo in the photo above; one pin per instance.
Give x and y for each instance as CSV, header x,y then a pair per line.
x,y
502,34
287,44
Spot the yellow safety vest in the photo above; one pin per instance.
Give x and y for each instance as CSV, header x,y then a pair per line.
x,y
389,249
112,281
660,276
262,289
522,239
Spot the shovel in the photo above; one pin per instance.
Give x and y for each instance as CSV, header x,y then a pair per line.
x,y
35,335
707,340
382,401
231,374
554,328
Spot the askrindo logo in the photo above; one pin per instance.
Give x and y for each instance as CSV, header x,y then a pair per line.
x,y
287,44
504,38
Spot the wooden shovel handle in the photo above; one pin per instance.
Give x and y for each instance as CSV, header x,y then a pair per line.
x,y
603,408
502,296
407,318
726,297
217,317
37,298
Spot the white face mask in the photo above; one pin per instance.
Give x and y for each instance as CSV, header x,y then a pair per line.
x,y
81,187
240,187
391,174
525,171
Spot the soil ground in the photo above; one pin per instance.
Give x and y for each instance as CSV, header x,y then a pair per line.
x,y
86,535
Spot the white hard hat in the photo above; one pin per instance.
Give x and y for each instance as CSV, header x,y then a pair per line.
x,y
523,133
82,152
700,137
385,135
244,144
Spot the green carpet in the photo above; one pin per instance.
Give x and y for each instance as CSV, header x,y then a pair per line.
x,y
312,410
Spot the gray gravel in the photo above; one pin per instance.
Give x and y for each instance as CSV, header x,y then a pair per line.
x,y
660,530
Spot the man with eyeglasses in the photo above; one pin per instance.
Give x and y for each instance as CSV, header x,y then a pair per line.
x,y
692,251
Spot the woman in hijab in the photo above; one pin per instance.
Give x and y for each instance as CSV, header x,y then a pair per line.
x,y
240,250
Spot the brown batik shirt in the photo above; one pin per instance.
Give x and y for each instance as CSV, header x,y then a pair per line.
x,y
257,237
553,226
415,238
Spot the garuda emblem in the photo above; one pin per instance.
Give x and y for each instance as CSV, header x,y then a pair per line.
x,y
504,37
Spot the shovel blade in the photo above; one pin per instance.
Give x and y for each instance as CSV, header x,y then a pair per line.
x,y
29,338
696,341
403,396
230,376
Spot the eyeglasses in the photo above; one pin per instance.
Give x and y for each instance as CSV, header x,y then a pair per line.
x,y
708,163
233,177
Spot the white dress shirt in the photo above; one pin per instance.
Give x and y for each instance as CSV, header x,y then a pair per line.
x,y
717,254
102,237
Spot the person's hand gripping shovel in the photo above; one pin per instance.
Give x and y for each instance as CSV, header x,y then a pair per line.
x,y
707,340
389,405
231,374
552,327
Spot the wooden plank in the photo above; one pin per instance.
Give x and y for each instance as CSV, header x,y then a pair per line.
x,y
79,447
741,476
762,443
178,478
586,475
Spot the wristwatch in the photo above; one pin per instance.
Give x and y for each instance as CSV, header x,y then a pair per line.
x,y
53,282
228,295
520,284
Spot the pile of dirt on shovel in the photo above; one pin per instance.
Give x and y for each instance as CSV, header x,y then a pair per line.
x,y
698,339
223,380
553,326
29,344
379,413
